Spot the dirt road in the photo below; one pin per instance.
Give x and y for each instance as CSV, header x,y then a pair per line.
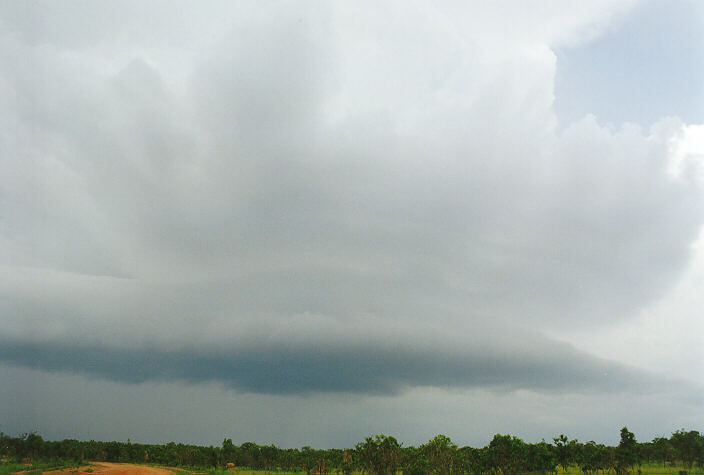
x,y
100,468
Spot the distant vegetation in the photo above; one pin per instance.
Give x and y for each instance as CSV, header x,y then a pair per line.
x,y
683,452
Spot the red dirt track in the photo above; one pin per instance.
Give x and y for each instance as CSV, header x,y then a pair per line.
x,y
100,468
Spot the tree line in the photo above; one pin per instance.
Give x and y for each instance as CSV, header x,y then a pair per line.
x,y
379,454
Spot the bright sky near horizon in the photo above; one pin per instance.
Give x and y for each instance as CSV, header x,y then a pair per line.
x,y
303,223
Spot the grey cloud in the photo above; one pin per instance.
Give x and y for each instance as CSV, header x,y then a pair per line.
x,y
89,408
296,172
282,368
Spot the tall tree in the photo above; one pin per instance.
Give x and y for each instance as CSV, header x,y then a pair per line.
x,y
627,452
540,458
564,450
662,450
228,451
507,454
689,446
440,453
379,454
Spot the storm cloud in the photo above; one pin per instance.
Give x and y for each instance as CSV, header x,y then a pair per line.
x,y
280,368
293,198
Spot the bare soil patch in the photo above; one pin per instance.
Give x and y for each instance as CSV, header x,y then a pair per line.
x,y
105,468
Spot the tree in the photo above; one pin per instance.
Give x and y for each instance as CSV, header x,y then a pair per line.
x,y
440,453
267,456
228,451
4,445
249,453
564,450
540,458
33,445
689,446
627,452
347,462
470,460
507,454
414,461
593,457
662,450
379,454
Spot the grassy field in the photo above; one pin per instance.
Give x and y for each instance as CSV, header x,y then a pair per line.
x,y
651,469
34,469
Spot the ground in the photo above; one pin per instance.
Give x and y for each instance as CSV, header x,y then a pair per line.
x,y
100,468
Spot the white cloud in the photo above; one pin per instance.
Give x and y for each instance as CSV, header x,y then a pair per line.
x,y
688,155
664,336
354,174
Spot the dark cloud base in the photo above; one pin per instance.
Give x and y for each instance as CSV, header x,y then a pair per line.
x,y
373,370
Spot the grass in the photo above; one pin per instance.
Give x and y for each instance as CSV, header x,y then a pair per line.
x,y
250,472
7,468
236,471
646,469
35,468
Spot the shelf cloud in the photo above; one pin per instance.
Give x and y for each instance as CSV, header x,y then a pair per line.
x,y
304,198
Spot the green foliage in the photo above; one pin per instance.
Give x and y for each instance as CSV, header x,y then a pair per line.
x,y
627,452
379,454
472,461
662,450
414,461
540,458
440,453
34,467
593,457
565,451
507,454
228,453
689,446
347,463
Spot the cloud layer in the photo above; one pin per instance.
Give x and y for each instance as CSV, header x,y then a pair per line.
x,y
322,199
283,368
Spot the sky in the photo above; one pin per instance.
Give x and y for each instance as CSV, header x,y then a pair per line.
x,y
304,223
